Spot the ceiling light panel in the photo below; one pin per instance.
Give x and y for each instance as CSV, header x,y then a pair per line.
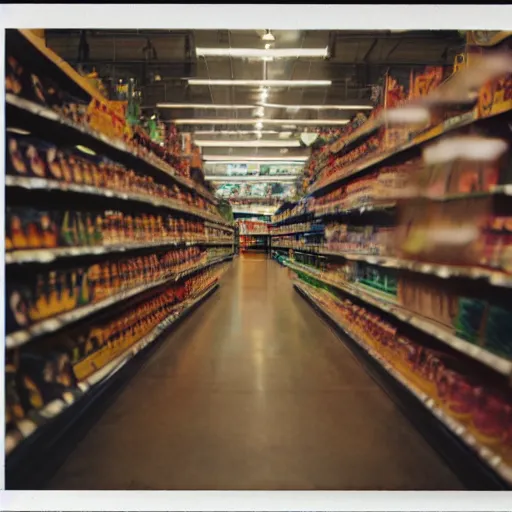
x,y
318,107
262,53
266,179
234,132
261,122
205,106
230,159
248,143
260,83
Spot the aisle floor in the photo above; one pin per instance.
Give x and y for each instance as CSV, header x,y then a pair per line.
x,y
253,391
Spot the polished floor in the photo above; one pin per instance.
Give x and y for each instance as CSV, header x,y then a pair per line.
x,y
253,391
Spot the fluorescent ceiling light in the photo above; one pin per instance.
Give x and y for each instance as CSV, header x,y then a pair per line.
x,y
263,53
234,132
318,107
267,179
206,105
258,122
248,143
242,159
261,83
255,210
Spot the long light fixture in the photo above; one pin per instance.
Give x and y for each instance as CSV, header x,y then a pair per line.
x,y
318,107
264,94
255,209
214,106
248,143
257,122
241,159
234,132
261,53
260,83
267,179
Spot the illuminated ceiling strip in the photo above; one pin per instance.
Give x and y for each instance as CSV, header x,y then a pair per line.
x,y
184,106
274,53
206,106
248,143
256,210
234,120
318,107
243,159
261,83
268,179
233,132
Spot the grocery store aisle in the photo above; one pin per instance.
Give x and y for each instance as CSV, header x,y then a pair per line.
x,y
253,391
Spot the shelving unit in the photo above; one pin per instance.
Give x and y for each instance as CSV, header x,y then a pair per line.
x,y
349,269
486,455
51,262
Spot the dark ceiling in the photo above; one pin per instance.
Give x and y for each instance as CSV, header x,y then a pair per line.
x,y
357,60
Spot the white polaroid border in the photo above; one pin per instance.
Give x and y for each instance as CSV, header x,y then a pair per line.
x,y
227,16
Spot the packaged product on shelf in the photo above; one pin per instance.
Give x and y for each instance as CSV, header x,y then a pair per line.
x,y
424,297
497,328
443,231
461,165
357,239
19,300
492,418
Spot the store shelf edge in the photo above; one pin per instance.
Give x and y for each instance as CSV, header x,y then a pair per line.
x,y
493,277
47,185
48,255
54,324
493,361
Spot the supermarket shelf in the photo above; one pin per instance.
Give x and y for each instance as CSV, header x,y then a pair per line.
x,y
49,255
358,209
116,148
27,427
59,66
369,127
497,190
44,184
254,234
344,142
448,126
494,277
338,211
294,218
491,459
298,232
226,227
50,325
493,361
